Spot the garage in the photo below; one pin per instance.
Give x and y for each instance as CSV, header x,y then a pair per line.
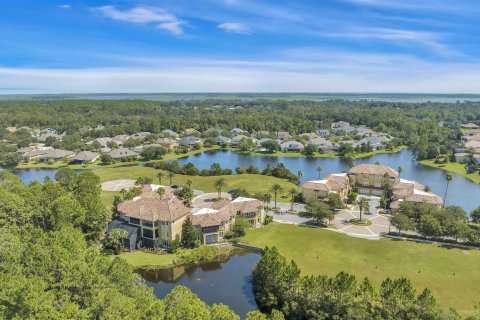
x,y
211,238
364,191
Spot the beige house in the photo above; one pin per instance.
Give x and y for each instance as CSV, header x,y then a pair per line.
x,y
167,142
414,192
370,179
159,219
320,189
212,224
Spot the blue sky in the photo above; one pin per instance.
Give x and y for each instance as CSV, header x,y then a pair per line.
x,y
239,45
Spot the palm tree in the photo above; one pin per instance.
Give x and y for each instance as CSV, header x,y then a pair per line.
x,y
400,170
189,183
351,162
276,188
219,185
362,204
170,176
161,192
427,189
160,175
319,170
449,178
299,175
292,192
267,197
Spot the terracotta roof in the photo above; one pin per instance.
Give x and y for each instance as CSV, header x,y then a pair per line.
x,y
333,182
207,218
376,169
241,204
149,206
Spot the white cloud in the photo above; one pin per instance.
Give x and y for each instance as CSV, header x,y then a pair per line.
x,y
65,6
300,70
234,27
144,15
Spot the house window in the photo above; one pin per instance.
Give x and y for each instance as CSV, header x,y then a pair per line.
x,y
147,224
135,221
147,233
365,183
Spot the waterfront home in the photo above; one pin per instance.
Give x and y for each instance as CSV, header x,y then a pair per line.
x,y
220,140
370,179
292,146
168,143
375,142
86,157
190,141
158,218
211,224
32,153
56,155
103,142
320,189
122,153
170,133
283,135
132,233
321,144
473,145
413,192
236,140
139,149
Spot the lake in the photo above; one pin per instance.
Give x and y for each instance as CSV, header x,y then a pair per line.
x,y
226,282
462,191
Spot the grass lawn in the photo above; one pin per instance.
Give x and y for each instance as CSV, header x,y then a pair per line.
x,y
452,275
107,198
316,155
253,183
144,259
454,167
98,164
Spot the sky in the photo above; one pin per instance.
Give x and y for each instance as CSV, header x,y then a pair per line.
x,y
93,46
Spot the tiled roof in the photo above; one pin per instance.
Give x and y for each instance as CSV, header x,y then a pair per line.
x,y
376,169
333,182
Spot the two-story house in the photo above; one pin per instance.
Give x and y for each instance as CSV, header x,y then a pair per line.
x,y
370,179
320,189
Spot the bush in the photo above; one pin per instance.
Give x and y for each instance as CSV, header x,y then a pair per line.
x,y
200,254
268,219
352,196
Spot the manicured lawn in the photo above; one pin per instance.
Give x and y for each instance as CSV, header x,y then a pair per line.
x,y
253,183
316,155
453,275
454,167
143,259
107,198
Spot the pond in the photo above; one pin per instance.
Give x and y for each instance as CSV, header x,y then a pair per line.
x,y
462,191
226,282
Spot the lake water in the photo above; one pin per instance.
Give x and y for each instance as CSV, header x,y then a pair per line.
x,y
462,191
226,282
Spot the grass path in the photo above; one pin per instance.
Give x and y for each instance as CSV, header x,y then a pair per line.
x,y
454,167
453,275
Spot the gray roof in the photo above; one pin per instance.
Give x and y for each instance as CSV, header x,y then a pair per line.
x,y
57,154
170,132
221,139
86,156
292,145
118,224
189,140
122,153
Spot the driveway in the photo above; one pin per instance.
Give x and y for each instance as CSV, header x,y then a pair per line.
x,y
380,224
206,200
117,185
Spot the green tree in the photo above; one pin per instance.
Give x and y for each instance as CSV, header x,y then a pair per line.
x,y
115,239
189,183
276,189
181,304
106,159
475,215
363,205
160,175
335,201
402,222
161,192
448,178
219,185
66,210
293,193
319,211
309,150
188,234
171,175
222,312
400,170
240,227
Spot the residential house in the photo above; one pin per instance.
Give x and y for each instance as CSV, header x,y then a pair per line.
x,y
340,125
167,142
236,140
31,153
43,134
370,179
133,233
309,135
120,139
190,141
321,144
236,131
139,149
413,192
140,135
293,146
473,145
262,133
320,189
376,143
191,131
86,157
56,155
283,135
158,219
323,133
220,140
122,153
103,142
469,126
171,133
